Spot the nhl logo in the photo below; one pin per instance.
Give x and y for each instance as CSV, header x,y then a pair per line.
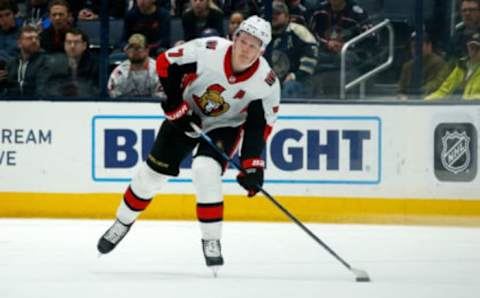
x,y
455,155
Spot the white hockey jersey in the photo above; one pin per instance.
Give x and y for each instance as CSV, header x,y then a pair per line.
x,y
220,97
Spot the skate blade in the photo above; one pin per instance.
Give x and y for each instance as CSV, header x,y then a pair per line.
x,y
215,270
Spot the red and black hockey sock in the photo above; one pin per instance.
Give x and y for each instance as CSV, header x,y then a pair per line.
x,y
210,212
134,202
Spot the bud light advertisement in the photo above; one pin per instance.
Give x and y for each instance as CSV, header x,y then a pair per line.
x,y
300,149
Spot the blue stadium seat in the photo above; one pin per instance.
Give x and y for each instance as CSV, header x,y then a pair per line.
x,y
403,10
373,7
92,29
176,30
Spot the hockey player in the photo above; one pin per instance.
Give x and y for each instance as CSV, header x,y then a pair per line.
x,y
229,90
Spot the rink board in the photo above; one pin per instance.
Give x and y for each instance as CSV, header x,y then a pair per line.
x,y
240,208
328,163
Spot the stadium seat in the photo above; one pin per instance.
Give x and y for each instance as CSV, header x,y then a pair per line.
x,y
92,29
176,30
403,11
373,8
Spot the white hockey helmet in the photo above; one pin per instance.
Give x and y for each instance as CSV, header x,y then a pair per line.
x,y
257,27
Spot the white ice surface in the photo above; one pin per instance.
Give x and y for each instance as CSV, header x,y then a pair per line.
x,y
58,258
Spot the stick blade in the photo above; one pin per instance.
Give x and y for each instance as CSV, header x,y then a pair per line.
x,y
360,275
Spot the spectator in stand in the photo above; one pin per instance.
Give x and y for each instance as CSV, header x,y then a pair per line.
x,y
9,29
294,53
75,72
433,65
299,12
52,39
36,14
470,11
333,23
245,7
25,75
204,14
464,80
136,76
150,20
233,22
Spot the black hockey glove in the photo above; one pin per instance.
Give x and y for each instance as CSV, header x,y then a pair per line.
x,y
252,178
181,117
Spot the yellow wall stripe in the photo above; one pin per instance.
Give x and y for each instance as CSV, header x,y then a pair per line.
x,y
308,209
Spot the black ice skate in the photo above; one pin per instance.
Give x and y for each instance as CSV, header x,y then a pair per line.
x,y
212,251
112,237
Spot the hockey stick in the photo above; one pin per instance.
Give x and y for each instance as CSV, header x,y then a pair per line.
x,y
360,275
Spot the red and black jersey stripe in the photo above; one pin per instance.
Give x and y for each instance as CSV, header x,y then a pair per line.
x,y
171,77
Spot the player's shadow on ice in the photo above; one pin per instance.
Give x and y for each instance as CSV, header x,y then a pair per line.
x,y
206,274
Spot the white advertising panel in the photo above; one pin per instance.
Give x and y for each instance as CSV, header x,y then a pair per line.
x,y
370,151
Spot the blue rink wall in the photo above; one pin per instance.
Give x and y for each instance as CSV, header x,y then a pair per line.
x,y
361,163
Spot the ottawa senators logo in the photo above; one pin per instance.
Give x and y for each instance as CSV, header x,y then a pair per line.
x,y
211,102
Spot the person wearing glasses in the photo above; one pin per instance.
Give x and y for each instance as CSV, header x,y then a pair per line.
x,y
75,72
470,12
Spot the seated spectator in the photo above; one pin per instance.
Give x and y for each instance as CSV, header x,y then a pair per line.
x,y
37,14
151,21
202,15
52,39
25,75
233,22
299,13
75,72
294,53
333,23
245,7
433,65
470,12
464,80
456,48
9,29
136,76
